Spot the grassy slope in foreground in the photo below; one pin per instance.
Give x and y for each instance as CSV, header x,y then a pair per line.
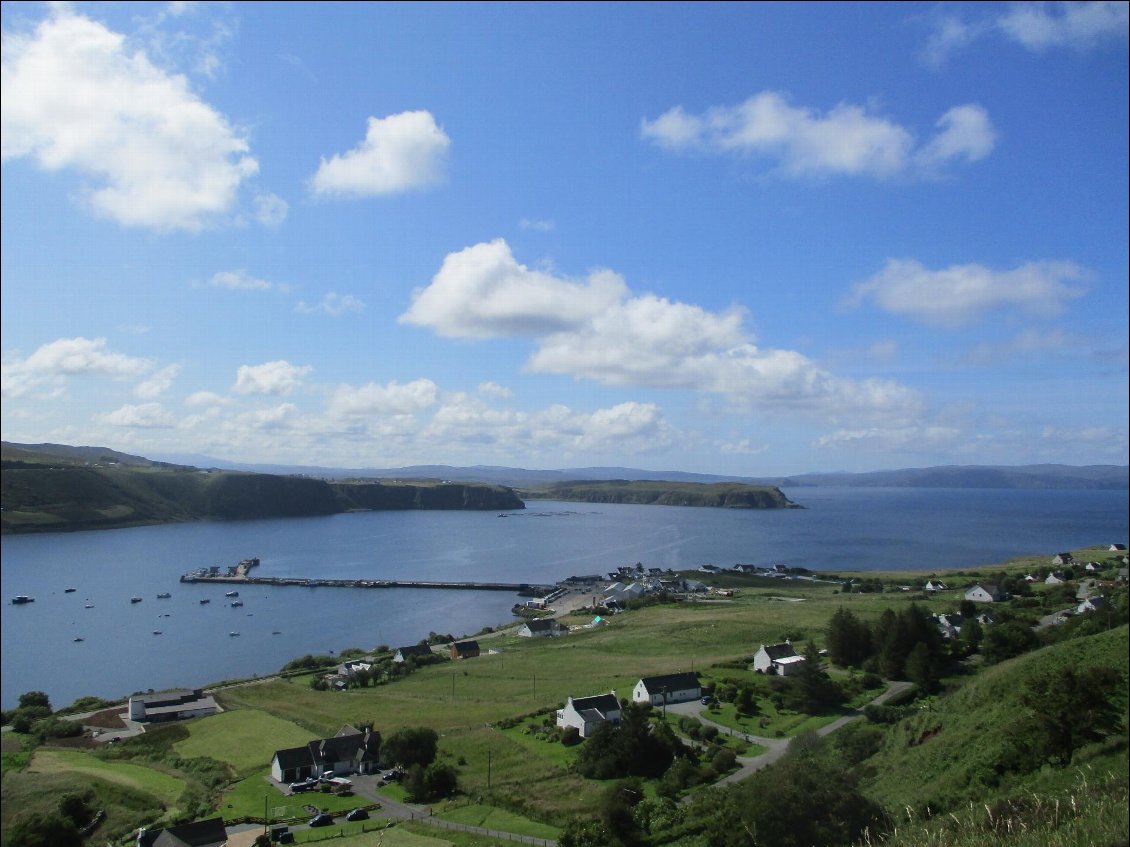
x,y
730,495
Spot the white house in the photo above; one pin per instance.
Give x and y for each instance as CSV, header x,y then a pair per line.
x,y
171,706
544,628
670,688
986,592
935,585
781,659
588,713
1063,559
412,651
1056,578
1093,604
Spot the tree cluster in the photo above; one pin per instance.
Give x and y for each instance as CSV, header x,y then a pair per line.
x,y
902,645
634,748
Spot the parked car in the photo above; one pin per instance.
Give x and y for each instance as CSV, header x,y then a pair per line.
x,y
322,820
707,700
357,815
296,787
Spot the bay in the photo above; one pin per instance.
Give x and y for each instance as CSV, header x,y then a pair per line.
x,y
839,529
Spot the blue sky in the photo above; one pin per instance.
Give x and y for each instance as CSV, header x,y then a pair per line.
x,y
746,239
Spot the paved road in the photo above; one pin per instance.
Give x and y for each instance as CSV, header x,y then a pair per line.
x,y
777,746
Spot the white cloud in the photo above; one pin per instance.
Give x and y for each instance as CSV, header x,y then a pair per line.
x,y
374,400
240,280
68,357
964,132
493,389
908,439
845,140
961,294
75,97
158,383
537,226
482,292
599,330
205,400
399,153
741,447
333,304
279,377
285,416
1030,342
1039,26
270,209
144,416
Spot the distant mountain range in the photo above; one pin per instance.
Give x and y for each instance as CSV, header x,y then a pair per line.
x,y
1115,477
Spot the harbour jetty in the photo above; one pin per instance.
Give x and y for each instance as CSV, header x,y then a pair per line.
x,y
240,575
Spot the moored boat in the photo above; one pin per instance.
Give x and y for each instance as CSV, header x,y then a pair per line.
x,y
135,599
205,600
233,632
236,604
164,595
20,599
69,590
232,594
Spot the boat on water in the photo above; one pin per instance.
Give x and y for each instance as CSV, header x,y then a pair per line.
x,y
205,600
277,632
78,639
69,590
232,594
135,599
236,604
20,599
156,632
89,606
233,632
164,595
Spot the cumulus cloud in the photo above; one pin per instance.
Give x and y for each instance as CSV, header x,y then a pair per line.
x,y
279,377
69,357
962,294
144,416
399,153
493,389
205,400
1038,27
374,400
845,140
270,209
158,383
75,97
598,329
333,304
240,280
483,292
907,439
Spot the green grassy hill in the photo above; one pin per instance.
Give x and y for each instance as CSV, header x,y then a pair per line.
x,y
72,496
730,495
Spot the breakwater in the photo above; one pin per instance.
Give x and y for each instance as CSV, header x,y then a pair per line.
x,y
524,589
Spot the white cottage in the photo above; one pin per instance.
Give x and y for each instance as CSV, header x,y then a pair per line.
x,y
986,592
588,713
544,628
781,659
670,688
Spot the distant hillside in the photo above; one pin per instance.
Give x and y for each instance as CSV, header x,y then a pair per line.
x,y
1112,477
43,492
1115,477
665,493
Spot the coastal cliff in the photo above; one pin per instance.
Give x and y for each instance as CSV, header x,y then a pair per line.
x,y
45,498
724,495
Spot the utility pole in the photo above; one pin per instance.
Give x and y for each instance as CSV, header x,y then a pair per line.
x,y
453,687
488,768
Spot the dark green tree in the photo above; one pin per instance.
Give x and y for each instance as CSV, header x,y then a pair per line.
x,y
1073,707
411,746
34,699
848,639
39,830
1008,639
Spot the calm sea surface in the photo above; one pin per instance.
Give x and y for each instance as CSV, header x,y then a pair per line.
x,y
840,529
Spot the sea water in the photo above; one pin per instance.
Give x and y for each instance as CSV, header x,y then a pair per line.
x,y
179,642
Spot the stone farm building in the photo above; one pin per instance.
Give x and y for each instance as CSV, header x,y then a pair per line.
x,y
588,713
670,688
350,751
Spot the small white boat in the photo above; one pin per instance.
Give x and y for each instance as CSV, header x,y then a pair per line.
x,y
233,632
164,595
236,604
156,632
89,606
232,594
135,599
